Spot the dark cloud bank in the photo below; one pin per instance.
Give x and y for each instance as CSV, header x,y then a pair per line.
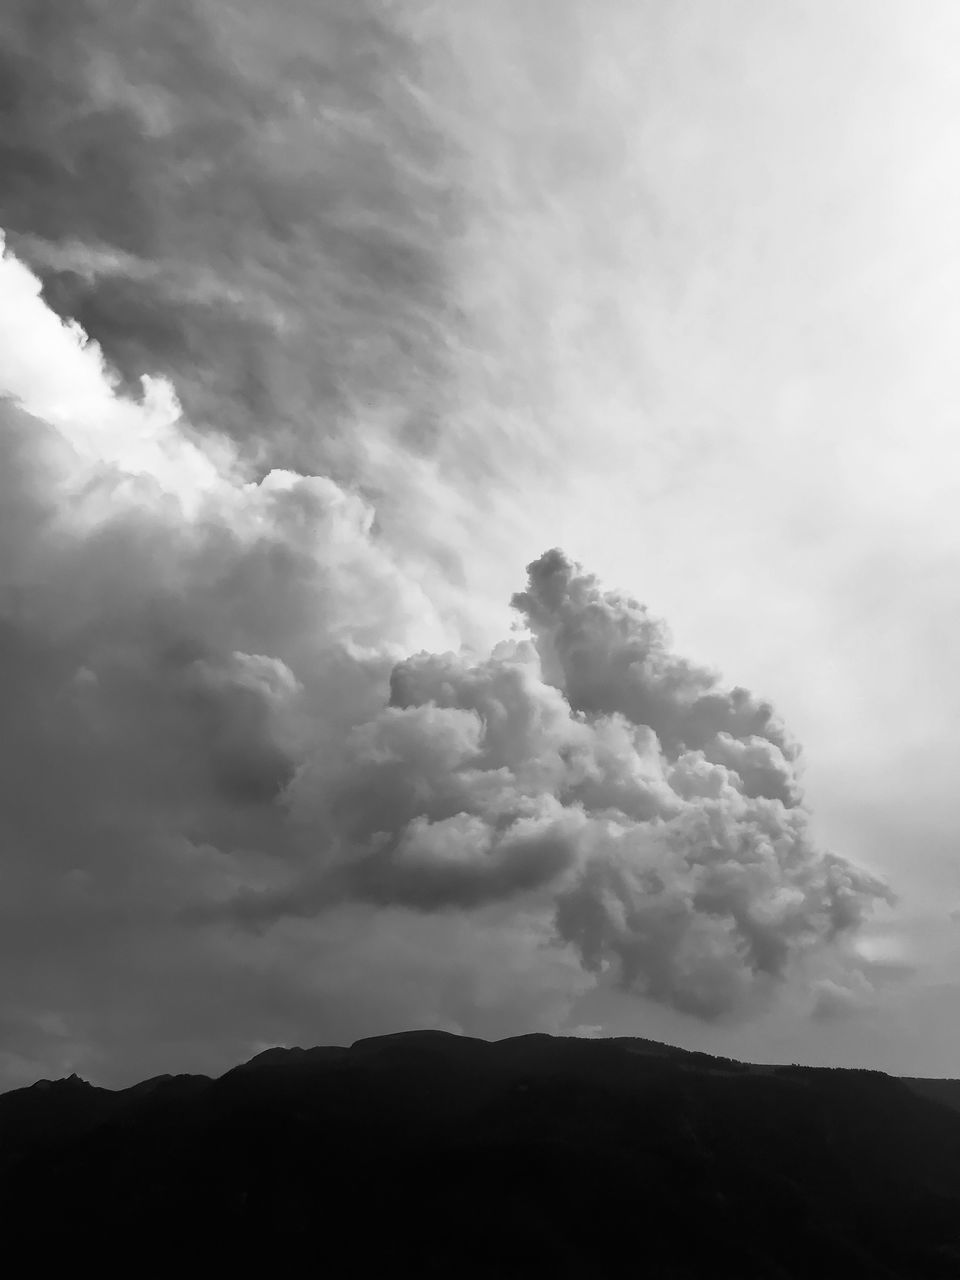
x,y
252,201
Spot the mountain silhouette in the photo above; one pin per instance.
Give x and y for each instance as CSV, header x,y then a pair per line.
x,y
431,1154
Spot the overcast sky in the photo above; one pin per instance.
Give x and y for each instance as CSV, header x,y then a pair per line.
x,y
327,333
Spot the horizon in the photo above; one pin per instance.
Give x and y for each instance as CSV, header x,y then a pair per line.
x,y
435,1031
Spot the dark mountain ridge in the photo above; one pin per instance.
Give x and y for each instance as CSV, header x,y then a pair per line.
x,y
437,1154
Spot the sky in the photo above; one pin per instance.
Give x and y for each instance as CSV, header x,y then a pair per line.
x,y
477,545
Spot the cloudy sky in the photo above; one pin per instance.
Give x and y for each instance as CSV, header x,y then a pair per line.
x,y
478,545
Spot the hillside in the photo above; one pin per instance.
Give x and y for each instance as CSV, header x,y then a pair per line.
x,y
437,1155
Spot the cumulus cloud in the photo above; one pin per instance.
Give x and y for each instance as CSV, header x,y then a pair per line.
x,y
687,869
608,655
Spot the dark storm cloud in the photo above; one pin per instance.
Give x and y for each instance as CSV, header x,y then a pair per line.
x,y
264,223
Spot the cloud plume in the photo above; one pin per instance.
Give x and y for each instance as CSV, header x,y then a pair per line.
x,y
658,810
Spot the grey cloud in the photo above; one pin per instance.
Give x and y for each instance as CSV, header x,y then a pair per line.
x,y
688,871
765,767
609,655
243,701
200,734
256,208
836,1001
463,861
143,749
707,911
175,640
